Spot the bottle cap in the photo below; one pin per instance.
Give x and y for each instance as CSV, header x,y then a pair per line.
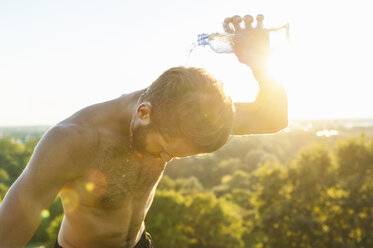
x,y
202,39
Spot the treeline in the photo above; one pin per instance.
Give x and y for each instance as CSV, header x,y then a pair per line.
x,y
322,198
272,191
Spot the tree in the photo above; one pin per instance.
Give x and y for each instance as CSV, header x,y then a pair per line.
x,y
166,220
214,223
12,158
53,229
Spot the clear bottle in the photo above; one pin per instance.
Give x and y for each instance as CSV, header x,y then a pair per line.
x,y
219,43
224,42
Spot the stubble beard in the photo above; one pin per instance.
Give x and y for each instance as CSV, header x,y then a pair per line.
x,y
139,135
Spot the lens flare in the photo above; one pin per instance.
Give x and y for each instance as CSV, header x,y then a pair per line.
x,y
96,182
45,213
70,200
89,187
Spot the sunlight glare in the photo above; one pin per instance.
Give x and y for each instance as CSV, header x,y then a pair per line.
x,y
70,200
45,213
327,133
89,186
279,65
96,182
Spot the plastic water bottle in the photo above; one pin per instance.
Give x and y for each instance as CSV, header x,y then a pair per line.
x,y
224,42
219,43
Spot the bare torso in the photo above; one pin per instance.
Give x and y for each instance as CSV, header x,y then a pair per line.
x,y
107,205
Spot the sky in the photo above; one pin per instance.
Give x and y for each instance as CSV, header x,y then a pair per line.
x,y
57,57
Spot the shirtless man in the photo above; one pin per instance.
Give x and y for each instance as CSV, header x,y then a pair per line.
x,y
106,160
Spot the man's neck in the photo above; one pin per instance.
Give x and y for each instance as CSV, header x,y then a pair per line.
x,y
126,105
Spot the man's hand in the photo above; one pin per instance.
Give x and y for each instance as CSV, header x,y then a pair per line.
x,y
251,44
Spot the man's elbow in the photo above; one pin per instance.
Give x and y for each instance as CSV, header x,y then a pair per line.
x,y
282,125
275,127
281,119
277,124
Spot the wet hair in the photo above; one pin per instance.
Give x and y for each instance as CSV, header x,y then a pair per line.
x,y
189,103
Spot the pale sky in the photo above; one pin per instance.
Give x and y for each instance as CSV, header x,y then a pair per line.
x,y
57,57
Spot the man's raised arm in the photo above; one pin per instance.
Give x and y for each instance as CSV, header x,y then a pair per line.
x,y
50,167
269,112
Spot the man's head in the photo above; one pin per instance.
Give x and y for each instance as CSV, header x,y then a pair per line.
x,y
183,107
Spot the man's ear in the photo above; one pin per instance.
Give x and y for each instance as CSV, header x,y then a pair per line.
x,y
143,112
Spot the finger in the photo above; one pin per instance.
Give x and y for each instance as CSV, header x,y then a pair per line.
x,y
259,21
236,20
227,26
248,20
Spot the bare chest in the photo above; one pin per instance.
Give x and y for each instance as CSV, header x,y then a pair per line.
x,y
119,177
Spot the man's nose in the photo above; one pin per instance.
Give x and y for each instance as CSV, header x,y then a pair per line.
x,y
166,157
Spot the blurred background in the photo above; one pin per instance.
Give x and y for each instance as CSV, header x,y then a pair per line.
x,y
310,185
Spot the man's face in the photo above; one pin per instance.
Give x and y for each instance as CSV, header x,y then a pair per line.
x,y
147,140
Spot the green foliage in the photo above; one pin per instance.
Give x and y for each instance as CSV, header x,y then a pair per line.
x,y
166,183
314,203
188,186
12,157
4,178
53,229
285,190
166,218
3,190
214,223
199,220
256,157
42,234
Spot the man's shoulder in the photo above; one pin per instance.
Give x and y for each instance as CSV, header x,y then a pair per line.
x,y
64,152
71,140
71,133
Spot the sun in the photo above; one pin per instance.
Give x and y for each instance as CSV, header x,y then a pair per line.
x,y
282,60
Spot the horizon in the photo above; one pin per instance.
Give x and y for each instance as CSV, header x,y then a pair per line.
x,y
291,121
59,57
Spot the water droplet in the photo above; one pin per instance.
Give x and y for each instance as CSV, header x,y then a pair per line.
x,y
190,50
